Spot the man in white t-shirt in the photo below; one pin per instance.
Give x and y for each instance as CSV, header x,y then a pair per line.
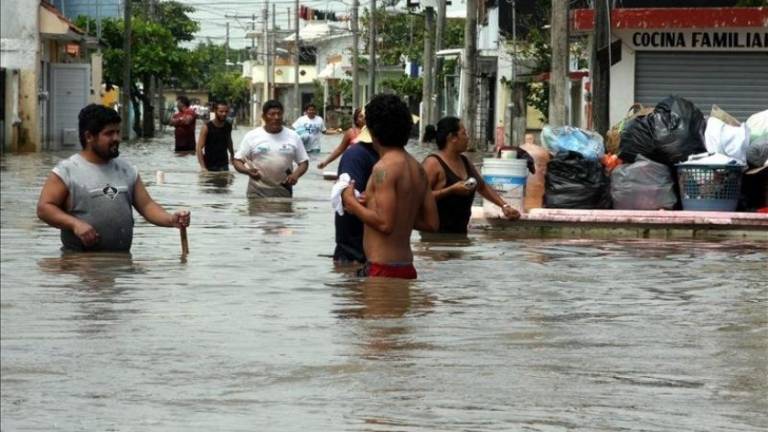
x,y
267,154
309,127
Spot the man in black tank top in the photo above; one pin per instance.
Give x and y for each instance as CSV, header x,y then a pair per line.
x,y
454,180
215,141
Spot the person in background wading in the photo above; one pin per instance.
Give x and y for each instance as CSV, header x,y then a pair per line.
x,y
454,180
267,154
184,123
357,162
309,127
350,137
214,145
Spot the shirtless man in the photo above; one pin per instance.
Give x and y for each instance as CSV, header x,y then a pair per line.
x,y
397,197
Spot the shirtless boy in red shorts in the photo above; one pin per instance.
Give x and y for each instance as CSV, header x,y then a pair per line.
x,y
398,197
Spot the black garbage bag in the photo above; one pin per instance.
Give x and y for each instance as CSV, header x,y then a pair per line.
x,y
636,139
574,182
678,130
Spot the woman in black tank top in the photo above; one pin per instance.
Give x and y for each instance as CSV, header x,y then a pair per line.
x,y
455,208
453,179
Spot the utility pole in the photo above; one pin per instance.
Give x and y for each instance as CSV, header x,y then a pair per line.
x,y
518,115
355,54
372,50
468,81
253,39
226,49
558,77
160,102
296,93
601,67
265,49
125,94
427,76
149,91
440,29
272,56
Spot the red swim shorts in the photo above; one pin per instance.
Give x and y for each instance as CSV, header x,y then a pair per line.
x,y
400,271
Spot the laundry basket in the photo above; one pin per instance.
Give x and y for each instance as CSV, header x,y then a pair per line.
x,y
709,187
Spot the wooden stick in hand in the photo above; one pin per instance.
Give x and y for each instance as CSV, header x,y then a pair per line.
x,y
184,241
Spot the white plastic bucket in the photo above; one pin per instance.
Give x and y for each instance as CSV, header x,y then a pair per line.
x,y
507,177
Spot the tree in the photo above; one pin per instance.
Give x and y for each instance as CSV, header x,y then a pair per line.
x,y
401,37
229,87
155,50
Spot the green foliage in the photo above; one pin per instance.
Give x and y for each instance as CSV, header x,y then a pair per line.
x,y
401,35
171,15
534,43
538,48
206,60
230,87
345,88
317,95
405,86
155,46
538,97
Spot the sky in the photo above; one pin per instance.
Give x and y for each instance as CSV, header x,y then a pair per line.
x,y
212,16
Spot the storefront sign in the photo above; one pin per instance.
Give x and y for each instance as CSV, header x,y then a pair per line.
x,y
698,40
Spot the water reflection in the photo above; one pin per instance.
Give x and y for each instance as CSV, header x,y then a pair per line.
x,y
382,308
270,206
443,247
216,182
95,283
497,334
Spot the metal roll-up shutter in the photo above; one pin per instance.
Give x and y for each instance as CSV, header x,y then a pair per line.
x,y
736,82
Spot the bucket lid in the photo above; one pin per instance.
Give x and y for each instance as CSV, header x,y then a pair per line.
x,y
501,162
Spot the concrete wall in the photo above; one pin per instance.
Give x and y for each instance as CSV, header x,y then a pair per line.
x,y
622,91
488,36
97,75
19,43
19,34
333,47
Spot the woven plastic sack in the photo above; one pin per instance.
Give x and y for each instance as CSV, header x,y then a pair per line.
x,y
613,136
643,185
561,140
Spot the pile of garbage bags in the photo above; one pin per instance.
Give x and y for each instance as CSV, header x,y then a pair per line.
x,y
639,170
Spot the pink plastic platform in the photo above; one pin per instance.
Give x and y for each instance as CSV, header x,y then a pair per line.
x,y
630,223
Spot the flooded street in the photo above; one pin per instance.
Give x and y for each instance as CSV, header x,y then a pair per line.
x,y
256,330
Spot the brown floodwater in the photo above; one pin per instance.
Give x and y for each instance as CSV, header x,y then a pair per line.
x,y
256,330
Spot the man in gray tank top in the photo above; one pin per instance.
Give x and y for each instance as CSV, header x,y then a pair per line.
x,y
90,196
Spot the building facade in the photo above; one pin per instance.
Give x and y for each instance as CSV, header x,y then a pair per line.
x,y
49,71
92,8
711,56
